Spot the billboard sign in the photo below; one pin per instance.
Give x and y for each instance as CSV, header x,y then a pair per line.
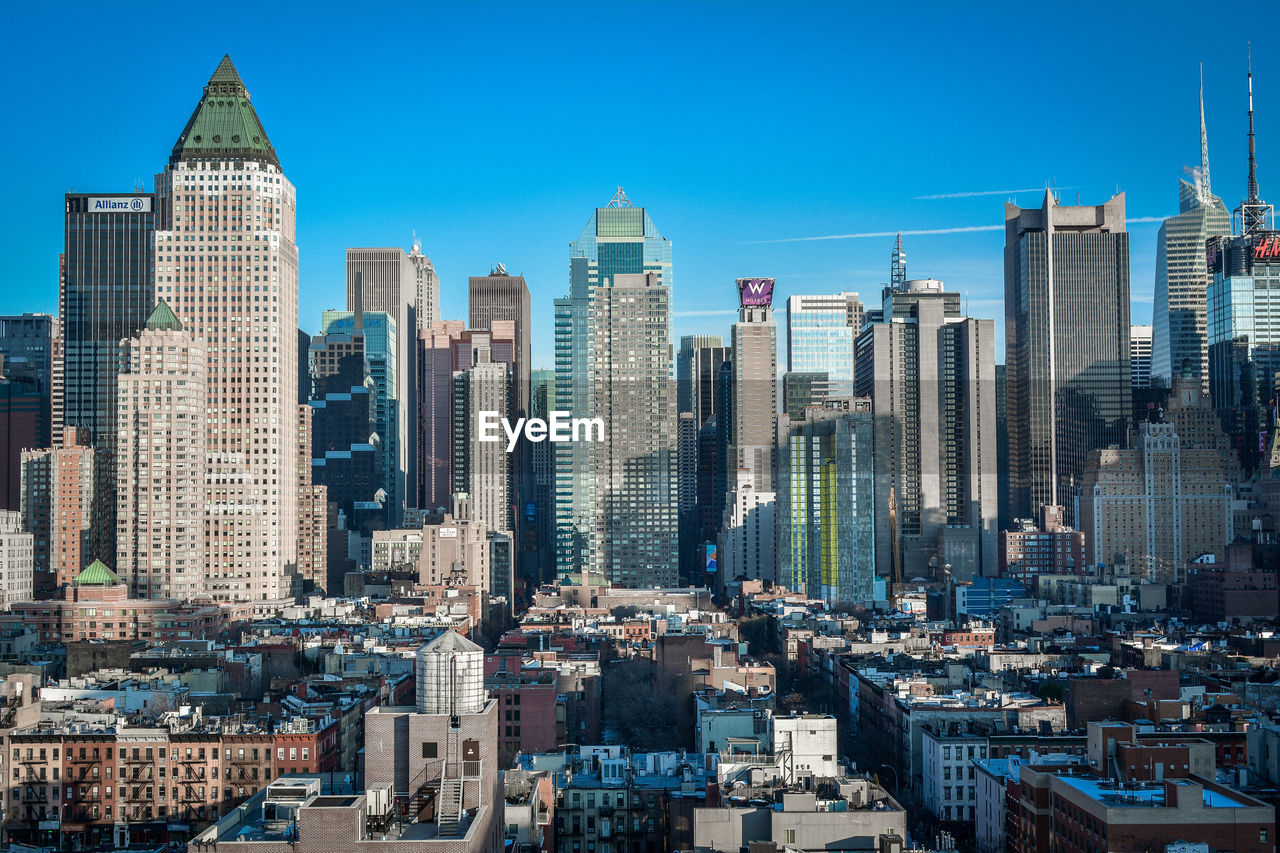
x,y
1267,248
136,204
755,292
711,560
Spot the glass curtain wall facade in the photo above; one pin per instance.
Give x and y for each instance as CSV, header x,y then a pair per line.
x,y
617,240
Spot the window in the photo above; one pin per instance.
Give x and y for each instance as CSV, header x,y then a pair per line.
x,y
429,749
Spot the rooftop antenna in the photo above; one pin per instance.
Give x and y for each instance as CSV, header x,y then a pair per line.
x,y
898,266
1253,214
416,244
620,200
1205,191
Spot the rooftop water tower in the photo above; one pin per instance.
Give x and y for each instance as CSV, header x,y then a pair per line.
x,y
450,676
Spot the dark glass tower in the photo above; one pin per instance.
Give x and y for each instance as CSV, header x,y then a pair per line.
x,y
1067,342
106,293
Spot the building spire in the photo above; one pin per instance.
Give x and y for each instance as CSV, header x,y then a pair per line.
x,y
898,266
1253,163
1206,191
1254,214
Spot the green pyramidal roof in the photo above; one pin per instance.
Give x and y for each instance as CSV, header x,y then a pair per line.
x,y
163,319
224,125
97,574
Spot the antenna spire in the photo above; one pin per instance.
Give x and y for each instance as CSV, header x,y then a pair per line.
x,y
1253,163
1206,191
1253,214
898,266
619,199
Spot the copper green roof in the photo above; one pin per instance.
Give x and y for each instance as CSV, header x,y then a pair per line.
x,y
163,319
97,574
224,125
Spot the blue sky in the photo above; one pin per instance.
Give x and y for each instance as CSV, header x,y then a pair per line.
x,y
492,129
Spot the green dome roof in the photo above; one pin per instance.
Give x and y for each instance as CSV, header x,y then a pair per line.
x,y
97,574
224,125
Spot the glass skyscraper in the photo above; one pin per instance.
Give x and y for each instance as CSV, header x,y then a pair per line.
x,y
1179,336
1067,341
826,507
1179,342
820,334
1244,339
618,239
381,350
107,292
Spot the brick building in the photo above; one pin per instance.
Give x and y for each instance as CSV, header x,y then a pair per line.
x,y
96,606
1243,586
1046,548
64,505
528,704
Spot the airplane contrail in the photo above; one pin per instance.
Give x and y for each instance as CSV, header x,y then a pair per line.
x,y
977,193
963,229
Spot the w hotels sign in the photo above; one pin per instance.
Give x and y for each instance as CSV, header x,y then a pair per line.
x,y
755,292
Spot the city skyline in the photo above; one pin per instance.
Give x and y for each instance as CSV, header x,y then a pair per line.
x,y
723,199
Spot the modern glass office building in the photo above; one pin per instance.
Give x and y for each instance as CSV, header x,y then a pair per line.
x,y
1244,338
1179,341
1067,344
381,353
820,334
826,530
618,239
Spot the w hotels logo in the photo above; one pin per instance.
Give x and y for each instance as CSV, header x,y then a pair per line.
x,y
755,292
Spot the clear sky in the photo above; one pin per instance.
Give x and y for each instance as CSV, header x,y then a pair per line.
x,y
493,129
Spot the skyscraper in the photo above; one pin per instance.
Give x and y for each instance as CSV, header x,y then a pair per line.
x,y
1244,320
826,532
698,361
502,298
27,344
379,340
754,418
227,263
618,239
160,460
1179,342
1067,344
746,530
540,509
63,505
21,408
1167,500
930,373
1140,338
435,402
634,468
108,288
481,469
426,286
387,280
313,516
498,296
347,455
820,332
